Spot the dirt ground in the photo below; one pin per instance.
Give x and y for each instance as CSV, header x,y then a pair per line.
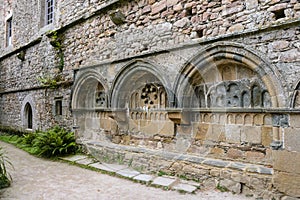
x,y
39,179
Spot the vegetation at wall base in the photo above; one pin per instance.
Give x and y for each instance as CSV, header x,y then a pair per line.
x,y
51,143
5,178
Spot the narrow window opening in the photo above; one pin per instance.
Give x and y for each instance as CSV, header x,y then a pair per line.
x,y
199,33
49,11
279,14
9,32
58,107
29,116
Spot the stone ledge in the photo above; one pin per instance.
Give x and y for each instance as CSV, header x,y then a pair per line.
x,y
246,167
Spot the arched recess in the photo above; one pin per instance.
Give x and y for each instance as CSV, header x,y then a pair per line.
x,y
90,91
295,100
139,98
227,74
28,113
28,116
136,75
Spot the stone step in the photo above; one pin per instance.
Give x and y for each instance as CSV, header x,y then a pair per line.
x,y
163,182
85,161
185,187
74,158
144,178
128,173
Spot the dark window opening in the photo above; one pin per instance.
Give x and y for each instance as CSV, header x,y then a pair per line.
x,y
58,107
199,33
9,32
29,116
279,14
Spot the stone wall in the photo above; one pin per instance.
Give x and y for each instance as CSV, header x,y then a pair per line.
x,y
204,89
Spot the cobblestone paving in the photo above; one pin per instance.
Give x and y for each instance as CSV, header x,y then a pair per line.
x,y
39,179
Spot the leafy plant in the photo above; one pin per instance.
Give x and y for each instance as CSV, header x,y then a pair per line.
x,y
28,138
48,81
5,178
56,42
55,142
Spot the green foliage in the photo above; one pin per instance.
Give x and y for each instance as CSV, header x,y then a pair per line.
x,y
11,131
5,178
49,81
55,142
222,188
56,42
162,173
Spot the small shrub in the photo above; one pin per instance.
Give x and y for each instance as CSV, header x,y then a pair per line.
x,y
28,138
55,142
5,178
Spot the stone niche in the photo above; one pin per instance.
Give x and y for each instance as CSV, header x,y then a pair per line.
x,y
148,123
226,103
227,86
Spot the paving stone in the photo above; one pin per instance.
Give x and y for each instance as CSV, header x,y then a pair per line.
x,y
86,161
74,158
144,178
115,167
163,181
102,167
129,173
185,187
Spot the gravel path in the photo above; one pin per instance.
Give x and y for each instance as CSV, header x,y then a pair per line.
x,y
39,179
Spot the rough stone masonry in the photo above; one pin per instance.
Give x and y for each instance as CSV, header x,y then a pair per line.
x,y
207,90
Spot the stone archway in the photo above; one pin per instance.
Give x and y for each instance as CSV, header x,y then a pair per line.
x,y
90,102
219,91
140,97
220,61
28,113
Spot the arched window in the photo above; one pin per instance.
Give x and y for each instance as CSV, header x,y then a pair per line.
x,y
28,116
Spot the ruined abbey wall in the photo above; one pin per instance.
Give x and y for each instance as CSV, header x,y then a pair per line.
x,y
204,89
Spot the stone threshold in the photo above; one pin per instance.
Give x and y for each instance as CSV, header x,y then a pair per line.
x,y
124,171
240,166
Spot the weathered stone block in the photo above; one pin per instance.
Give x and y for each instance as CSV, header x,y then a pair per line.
x,y
240,177
250,4
266,135
288,183
217,151
158,7
286,161
278,7
167,128
233,133
201,130
292,55
292,139
234,153
251,134
254,156
105,124
231,185
295,121
279,45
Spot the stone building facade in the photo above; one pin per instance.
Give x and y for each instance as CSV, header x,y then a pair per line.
x,y
204,89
